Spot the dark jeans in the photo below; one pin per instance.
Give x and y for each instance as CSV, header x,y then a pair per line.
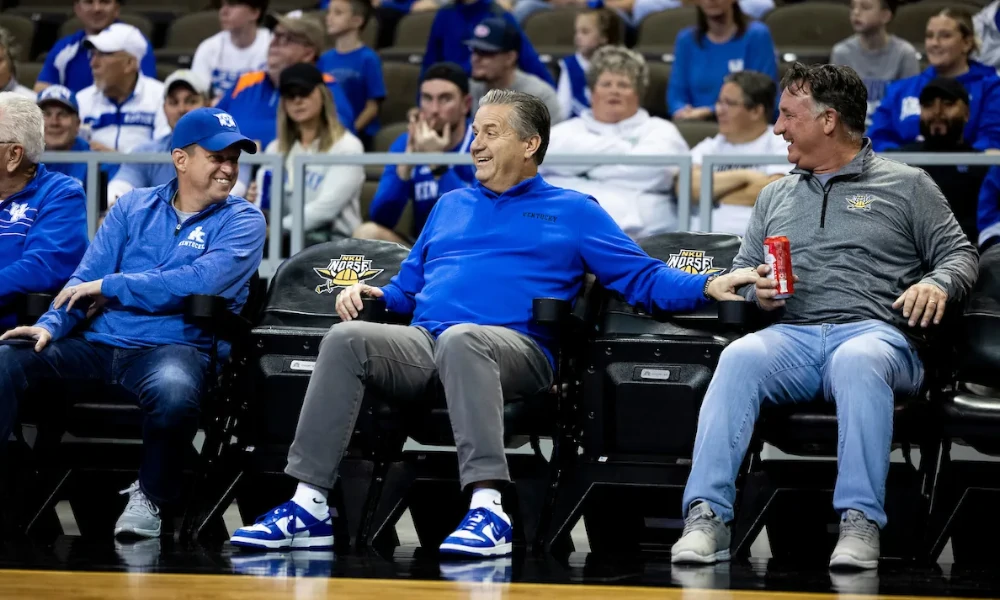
x,y
166,381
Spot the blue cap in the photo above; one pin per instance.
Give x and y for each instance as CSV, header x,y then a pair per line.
x,y
212,129
59,94
494,34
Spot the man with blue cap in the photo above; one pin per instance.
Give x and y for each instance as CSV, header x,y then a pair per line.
x,y
62,129
156,246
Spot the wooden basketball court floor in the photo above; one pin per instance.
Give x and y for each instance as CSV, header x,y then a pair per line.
x,y
78,568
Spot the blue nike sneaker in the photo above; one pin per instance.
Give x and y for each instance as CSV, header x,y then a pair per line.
x,y
287,526
482,533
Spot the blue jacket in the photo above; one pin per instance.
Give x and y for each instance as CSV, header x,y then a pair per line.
x,y
43,235
897,119
482,258
150,263
699,69
423,188
988,215
454,23
68,63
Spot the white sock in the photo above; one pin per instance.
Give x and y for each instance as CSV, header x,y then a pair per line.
x,y
489,499
313,499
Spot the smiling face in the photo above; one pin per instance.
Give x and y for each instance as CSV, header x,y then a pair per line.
x,y
800,125
500,155
945,46
180,101
209,174
613,97
61,126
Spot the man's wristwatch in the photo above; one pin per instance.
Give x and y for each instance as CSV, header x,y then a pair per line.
x,y
708,282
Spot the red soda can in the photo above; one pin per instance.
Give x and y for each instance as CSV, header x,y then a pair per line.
x,y
778,256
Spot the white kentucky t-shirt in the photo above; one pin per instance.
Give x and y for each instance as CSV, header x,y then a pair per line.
x,y
729,218
218,60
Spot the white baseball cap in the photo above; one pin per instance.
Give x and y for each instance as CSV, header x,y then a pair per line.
x,y
188,77
119,37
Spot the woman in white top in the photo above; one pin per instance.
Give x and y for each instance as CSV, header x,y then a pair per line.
x,y
638,198
239,48
308,124
8,71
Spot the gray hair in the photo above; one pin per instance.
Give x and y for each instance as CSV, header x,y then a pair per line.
x,y
622,61
529,116
21,123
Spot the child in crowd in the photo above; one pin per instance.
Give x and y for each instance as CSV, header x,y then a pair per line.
x,y
593,29
357,67
879,58
239,48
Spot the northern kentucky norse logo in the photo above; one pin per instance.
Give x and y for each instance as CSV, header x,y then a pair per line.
x,y
344,272
694,262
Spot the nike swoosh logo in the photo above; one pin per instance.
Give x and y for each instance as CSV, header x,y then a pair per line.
x,y
315,501
490,532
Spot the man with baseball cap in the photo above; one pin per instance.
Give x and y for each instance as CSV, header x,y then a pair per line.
x,y
156,247
944,113
62,129
68,62
440,124
123,108
496,46
185,90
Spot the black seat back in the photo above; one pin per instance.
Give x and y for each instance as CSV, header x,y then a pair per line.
x,y
304,288
979,360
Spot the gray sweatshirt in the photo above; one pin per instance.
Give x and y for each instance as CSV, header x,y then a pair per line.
x,y
875,229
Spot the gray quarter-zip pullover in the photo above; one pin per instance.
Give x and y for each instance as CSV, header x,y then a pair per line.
x,y
876,228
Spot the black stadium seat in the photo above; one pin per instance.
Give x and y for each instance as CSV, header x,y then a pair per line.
x,y
645,379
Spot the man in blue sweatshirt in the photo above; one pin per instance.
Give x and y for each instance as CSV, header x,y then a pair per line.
x,y
156,247
485,253
457,22
43,214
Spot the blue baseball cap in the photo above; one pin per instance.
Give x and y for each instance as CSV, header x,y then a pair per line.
x,y
494,34
60,95
212,129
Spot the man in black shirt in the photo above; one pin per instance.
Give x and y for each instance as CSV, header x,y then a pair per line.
x,y
944,112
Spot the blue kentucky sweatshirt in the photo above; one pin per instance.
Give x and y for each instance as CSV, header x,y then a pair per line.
x,y
453,25
43,235
483,257
897,119
150,262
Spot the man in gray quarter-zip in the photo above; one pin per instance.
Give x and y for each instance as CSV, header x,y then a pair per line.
x,y
877,254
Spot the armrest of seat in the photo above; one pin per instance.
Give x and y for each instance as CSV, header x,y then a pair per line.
x,y
552,312
744,316
33,307
212,313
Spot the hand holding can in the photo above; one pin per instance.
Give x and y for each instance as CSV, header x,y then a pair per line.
x,y
778,256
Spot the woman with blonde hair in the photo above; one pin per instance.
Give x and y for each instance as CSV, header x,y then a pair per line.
x,y
308,124
949,43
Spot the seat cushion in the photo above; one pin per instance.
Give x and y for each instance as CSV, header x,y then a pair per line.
x,y
973,419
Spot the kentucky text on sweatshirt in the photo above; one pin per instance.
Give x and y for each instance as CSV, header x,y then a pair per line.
x,y
43,235
150,262
897,119
453,25
483,257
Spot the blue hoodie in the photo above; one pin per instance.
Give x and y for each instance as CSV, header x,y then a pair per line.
x,y
988,214
897,119
483,257
43,235
150,263
454,23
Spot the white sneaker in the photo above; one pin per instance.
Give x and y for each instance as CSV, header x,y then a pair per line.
x,y
705,539
858,546
141,517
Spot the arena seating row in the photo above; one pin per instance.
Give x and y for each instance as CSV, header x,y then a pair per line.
x,y
621,416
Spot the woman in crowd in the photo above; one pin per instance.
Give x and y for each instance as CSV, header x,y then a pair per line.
x,y
724,41
949,43
637,197
8,71
308,124
593,29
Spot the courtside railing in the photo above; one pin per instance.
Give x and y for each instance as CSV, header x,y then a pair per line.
x,y
682,189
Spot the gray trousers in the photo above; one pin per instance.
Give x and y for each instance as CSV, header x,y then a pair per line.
x,y
480,367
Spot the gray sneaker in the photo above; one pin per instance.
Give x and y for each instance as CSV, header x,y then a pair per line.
x,y
705,539
858,546
141,517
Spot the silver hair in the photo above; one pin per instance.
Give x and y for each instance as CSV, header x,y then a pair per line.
x,y
622,61
529,116
820,107
21,122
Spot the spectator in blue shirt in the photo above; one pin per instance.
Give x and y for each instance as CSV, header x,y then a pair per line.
x,y
62,129
456,23
723,42
355,66
441,124
68,62
184,91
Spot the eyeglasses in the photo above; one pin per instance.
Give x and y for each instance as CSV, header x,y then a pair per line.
x,y
289,38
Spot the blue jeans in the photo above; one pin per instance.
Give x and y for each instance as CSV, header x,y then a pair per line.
x,y
166,380
859,366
